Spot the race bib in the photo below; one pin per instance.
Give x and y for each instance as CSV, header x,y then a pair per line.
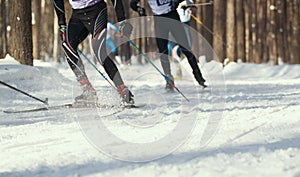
x,y
162,2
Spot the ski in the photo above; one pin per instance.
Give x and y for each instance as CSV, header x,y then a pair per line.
x,y
69,106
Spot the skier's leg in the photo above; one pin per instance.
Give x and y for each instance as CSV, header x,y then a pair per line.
x,y
194,65
99,47
76,33
164,57
162,34
180,36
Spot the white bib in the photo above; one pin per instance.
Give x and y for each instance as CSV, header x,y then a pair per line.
x,y
80,4
160,7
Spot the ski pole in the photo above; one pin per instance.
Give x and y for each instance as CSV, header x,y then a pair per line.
x,y
14,88
201,23
201,4
166,77
140,52
95,67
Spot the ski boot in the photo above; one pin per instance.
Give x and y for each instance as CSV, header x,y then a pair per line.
x,y
126,95
200,79
89,95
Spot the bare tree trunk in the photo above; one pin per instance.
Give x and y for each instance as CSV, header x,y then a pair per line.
x,y
21,31
36,29
254,29
126,46
208,22
285,29
47,29
56,42
261,27
274,36
295,58
3,25
248,48
230,30
264,32
280,31
219,29
240,30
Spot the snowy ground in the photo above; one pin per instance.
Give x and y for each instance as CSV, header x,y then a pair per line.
x,y
245,124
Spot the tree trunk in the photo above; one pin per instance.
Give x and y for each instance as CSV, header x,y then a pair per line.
x,y
56,42
230,30
280,31
3,25
21,31
261,28
274,36
295,58
48,29
248,51
219,29
254,31
208,22
240,30
36,28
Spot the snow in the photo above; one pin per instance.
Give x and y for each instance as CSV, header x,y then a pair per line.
x,y
246,123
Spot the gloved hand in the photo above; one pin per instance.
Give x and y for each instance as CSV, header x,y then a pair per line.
x,y
193,8
184,7
125,28
174,4
141,11
62,31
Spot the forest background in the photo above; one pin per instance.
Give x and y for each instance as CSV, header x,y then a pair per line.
x,y
253,31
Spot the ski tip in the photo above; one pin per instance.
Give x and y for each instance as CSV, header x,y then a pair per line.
x,y
7,111
129,106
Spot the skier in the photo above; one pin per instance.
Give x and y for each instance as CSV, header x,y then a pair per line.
x,y
167,9
90,17
184,10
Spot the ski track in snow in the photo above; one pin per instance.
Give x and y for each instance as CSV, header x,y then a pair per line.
x,y
256,132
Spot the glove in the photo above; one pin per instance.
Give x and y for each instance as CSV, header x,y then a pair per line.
x,y
193,8
184,7
174,4
141,11
62,31
125,28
